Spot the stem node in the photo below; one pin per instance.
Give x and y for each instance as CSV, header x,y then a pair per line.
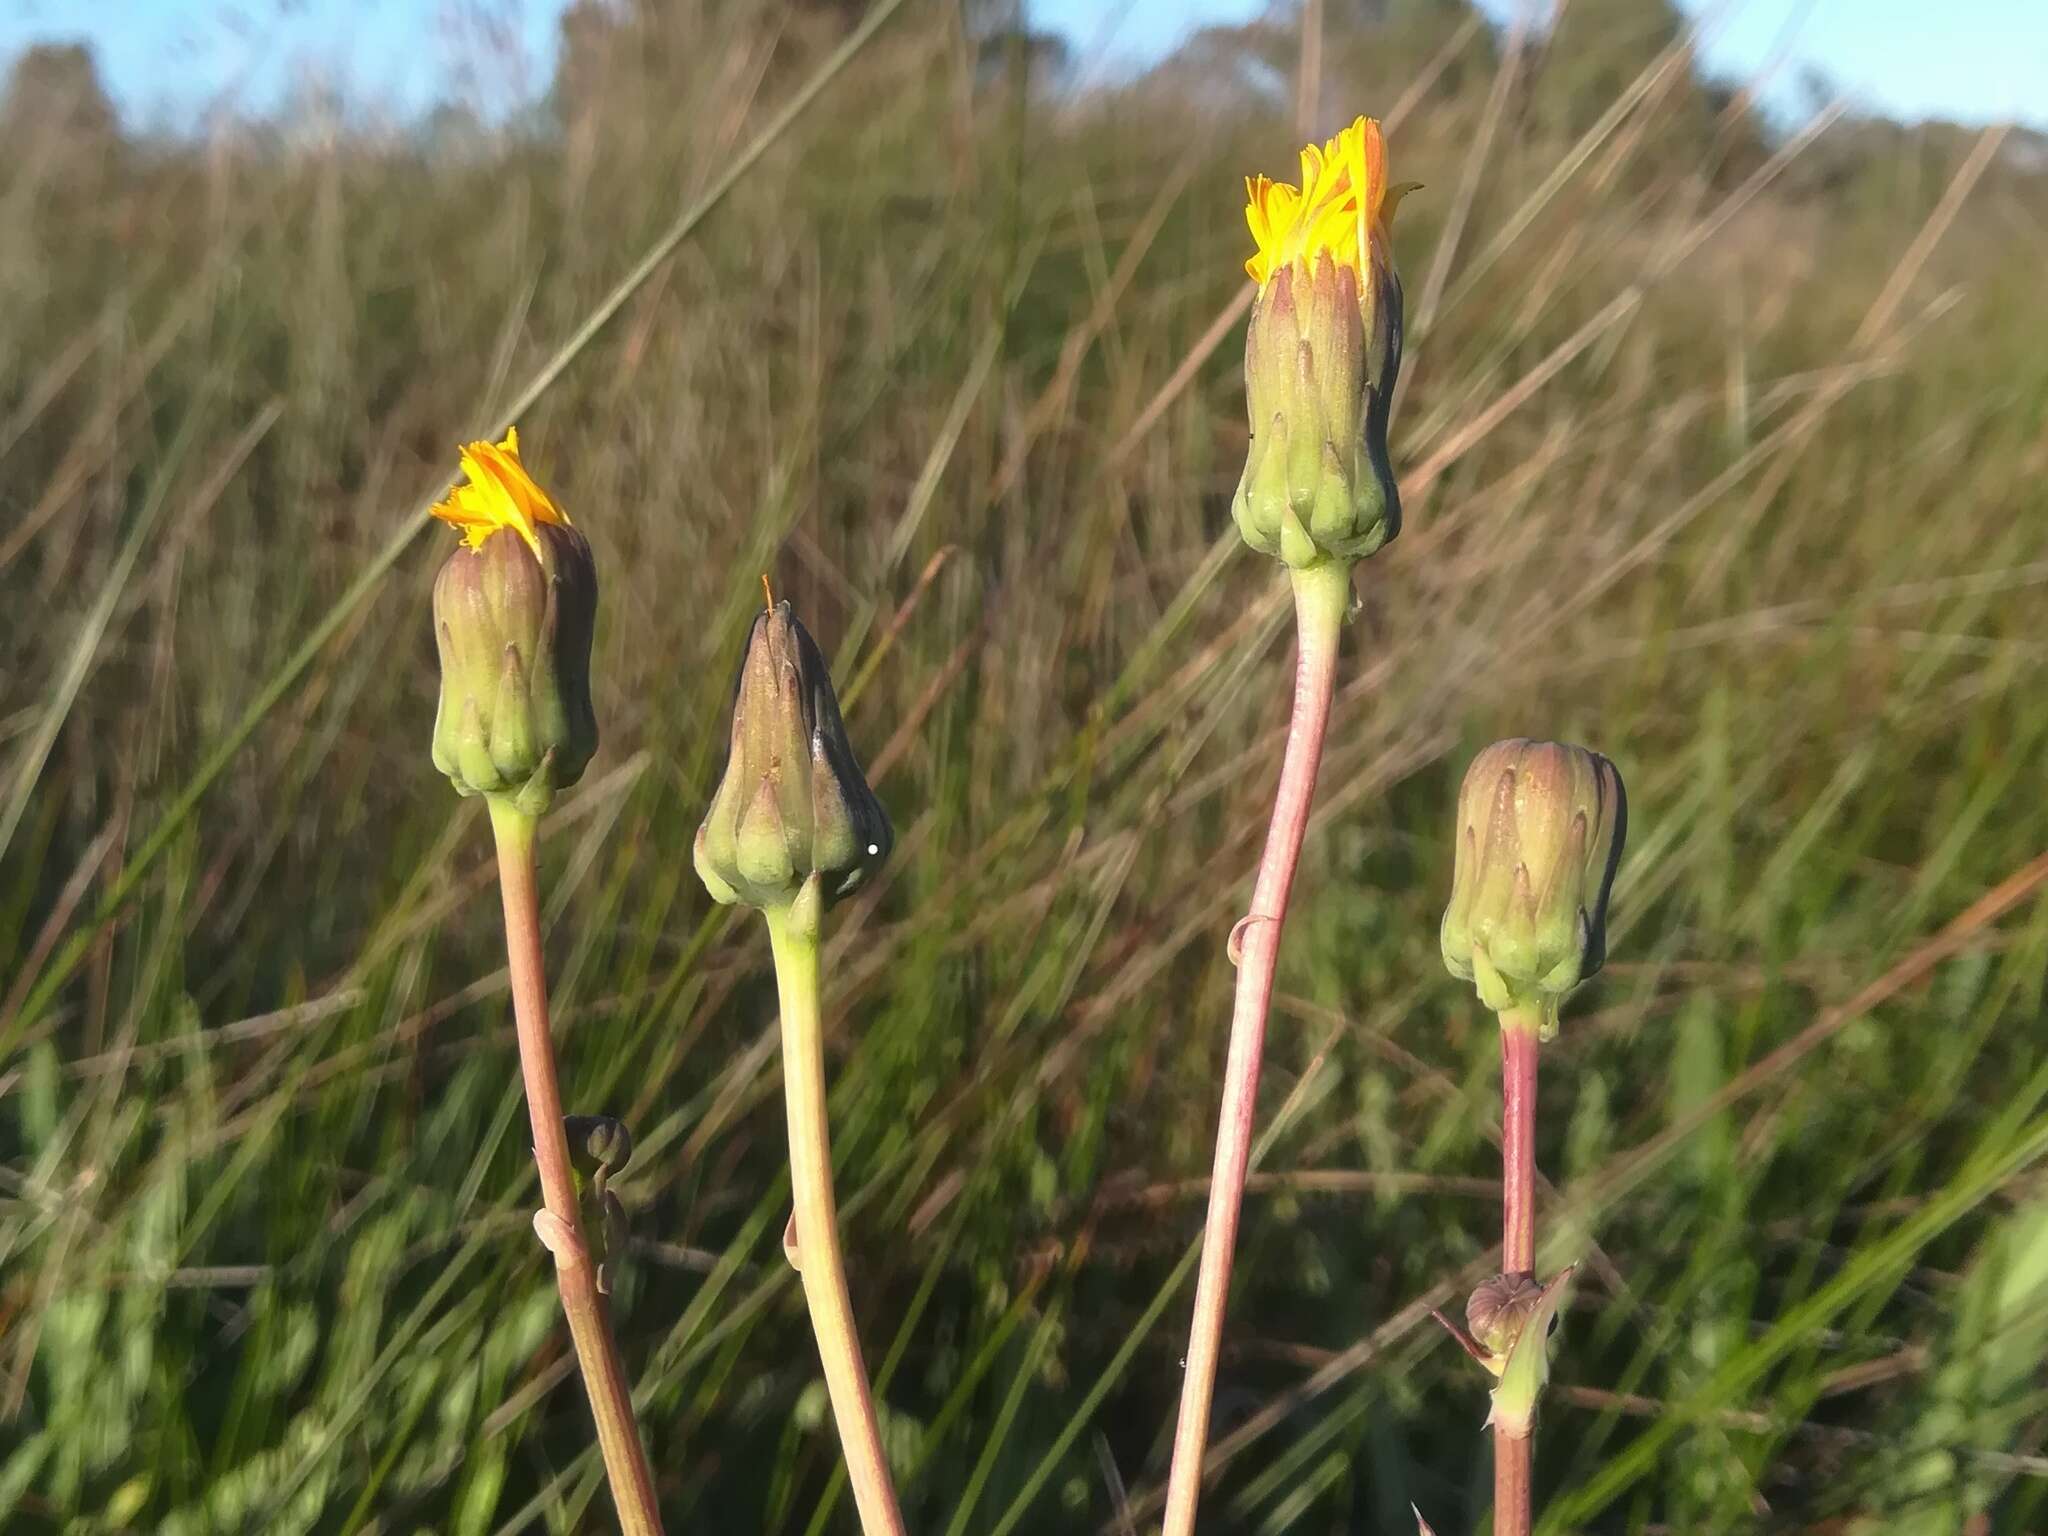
x,y
561,1240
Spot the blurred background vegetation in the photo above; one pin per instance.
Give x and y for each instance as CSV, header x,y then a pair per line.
x,y
1723,446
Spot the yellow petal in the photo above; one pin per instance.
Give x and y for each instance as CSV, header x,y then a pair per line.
x,y
498,493
1342,198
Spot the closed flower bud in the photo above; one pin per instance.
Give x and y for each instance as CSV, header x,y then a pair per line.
x,y
515,605
793,803
1321,354
1496,1312
599,1145
1540,830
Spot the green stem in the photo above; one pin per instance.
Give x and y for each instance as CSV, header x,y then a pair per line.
x,y
1322,596
611,1400
793,936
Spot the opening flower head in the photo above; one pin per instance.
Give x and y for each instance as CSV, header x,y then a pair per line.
x,y
499,493
1322,351
513,622
1342,200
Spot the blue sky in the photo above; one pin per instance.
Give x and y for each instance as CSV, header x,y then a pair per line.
x,y
166,61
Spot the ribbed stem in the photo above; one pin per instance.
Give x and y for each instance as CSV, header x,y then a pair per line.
x,y
1513,1467
1322,595
793,935
1518,1047
1514,1456
611,1401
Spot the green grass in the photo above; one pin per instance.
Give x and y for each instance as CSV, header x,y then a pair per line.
x,y
1724,463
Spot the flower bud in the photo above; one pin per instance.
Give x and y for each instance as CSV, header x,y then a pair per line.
x,y
1322,352
1540,830
792,803
1524,1365
599,1145
1496,1312
515,605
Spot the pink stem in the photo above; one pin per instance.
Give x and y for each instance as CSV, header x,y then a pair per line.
x,y
604,1379
1518,1045
1513,1475
1322,594
1514,1456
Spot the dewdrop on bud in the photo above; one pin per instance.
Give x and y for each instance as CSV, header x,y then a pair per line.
x,y
792,803
1540,830
515,606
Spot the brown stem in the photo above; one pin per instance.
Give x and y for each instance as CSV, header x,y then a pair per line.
x,y
611,1403
1322,594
